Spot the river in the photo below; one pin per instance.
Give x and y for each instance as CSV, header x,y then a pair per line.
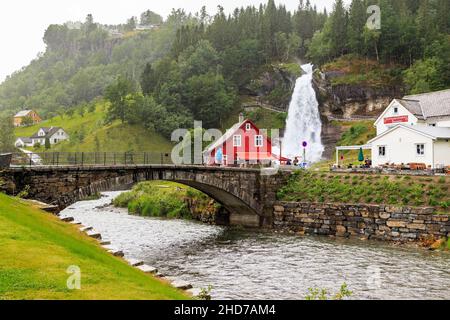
x,y
244,264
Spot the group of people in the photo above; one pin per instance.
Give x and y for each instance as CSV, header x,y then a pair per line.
x,y
295,163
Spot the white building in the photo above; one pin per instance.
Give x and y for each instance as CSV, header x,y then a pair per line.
x,y
405,144
23,142
415,129
428,109
53,134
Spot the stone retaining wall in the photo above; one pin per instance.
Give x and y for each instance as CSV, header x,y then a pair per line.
x,y
369,221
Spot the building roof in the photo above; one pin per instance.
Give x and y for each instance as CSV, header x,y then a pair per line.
x,y
49,132
413,107
25,140
433,104
22,113
430,132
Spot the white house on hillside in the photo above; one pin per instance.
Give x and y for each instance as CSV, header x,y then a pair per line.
x,y
53,134
415,129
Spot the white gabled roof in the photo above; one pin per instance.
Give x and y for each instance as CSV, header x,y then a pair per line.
x,y
429,132
22,113
398,101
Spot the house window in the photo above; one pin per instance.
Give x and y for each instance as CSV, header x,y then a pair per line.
x,y
225,158
248,126
237,141
382,151
420,149
395,110
55,140
258,141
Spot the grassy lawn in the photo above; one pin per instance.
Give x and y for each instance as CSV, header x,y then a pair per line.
x,y
369,189
355,133
37,249
88,133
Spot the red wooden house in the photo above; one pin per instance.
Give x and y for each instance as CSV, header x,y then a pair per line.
x,y
244,143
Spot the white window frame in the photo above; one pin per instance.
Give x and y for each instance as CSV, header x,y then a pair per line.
x,y
395,110
225,160
259,137
248,127
379,151
237,140
418,154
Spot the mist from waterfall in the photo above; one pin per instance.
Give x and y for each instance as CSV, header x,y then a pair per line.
x,y
303,122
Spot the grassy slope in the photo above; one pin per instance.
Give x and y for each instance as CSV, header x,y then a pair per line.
x,y
37,249
362,132
114,137
375,189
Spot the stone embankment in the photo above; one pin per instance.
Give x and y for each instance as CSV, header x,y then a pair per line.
x,y
138,264
380,222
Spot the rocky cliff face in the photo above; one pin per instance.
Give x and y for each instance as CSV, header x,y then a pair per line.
x,y
352,100
348,102
273,88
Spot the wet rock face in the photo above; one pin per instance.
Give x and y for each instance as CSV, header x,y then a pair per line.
x,y
273,87
348,100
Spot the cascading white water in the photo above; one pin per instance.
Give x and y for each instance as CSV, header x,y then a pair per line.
x,y
303,122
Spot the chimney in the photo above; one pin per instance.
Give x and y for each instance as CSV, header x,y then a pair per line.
x,y
241,117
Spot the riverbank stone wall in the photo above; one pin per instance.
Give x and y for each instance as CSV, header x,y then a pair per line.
x,y
379,222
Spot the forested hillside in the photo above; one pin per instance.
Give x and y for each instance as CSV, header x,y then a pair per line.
x,y
412,46
197,66
81,60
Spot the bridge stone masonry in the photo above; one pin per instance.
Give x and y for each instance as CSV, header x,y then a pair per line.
x,y
248,194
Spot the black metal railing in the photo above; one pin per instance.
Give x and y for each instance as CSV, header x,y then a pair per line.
x,y
89,158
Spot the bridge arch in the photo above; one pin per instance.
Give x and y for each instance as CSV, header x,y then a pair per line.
x,y
246,194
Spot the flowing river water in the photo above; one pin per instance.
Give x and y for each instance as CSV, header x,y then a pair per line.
x,y
243,264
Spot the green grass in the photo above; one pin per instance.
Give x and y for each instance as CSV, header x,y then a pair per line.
x,y
160,199
293,68
267,119
263,118
370,189
354,133
37,249
88,133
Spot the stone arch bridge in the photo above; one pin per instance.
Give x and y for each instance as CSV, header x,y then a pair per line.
x,y
247,194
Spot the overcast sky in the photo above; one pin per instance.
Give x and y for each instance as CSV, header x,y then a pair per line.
x,y
23,22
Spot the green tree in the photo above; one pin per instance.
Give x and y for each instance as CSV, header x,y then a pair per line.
x,y
116,94
424,76
148,80
6,134
209,98
356,25
47,144
27,121
151,18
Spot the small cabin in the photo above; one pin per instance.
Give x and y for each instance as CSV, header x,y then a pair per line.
x,y
19,118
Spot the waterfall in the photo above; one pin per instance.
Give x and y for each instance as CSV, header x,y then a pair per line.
x,y
303,122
